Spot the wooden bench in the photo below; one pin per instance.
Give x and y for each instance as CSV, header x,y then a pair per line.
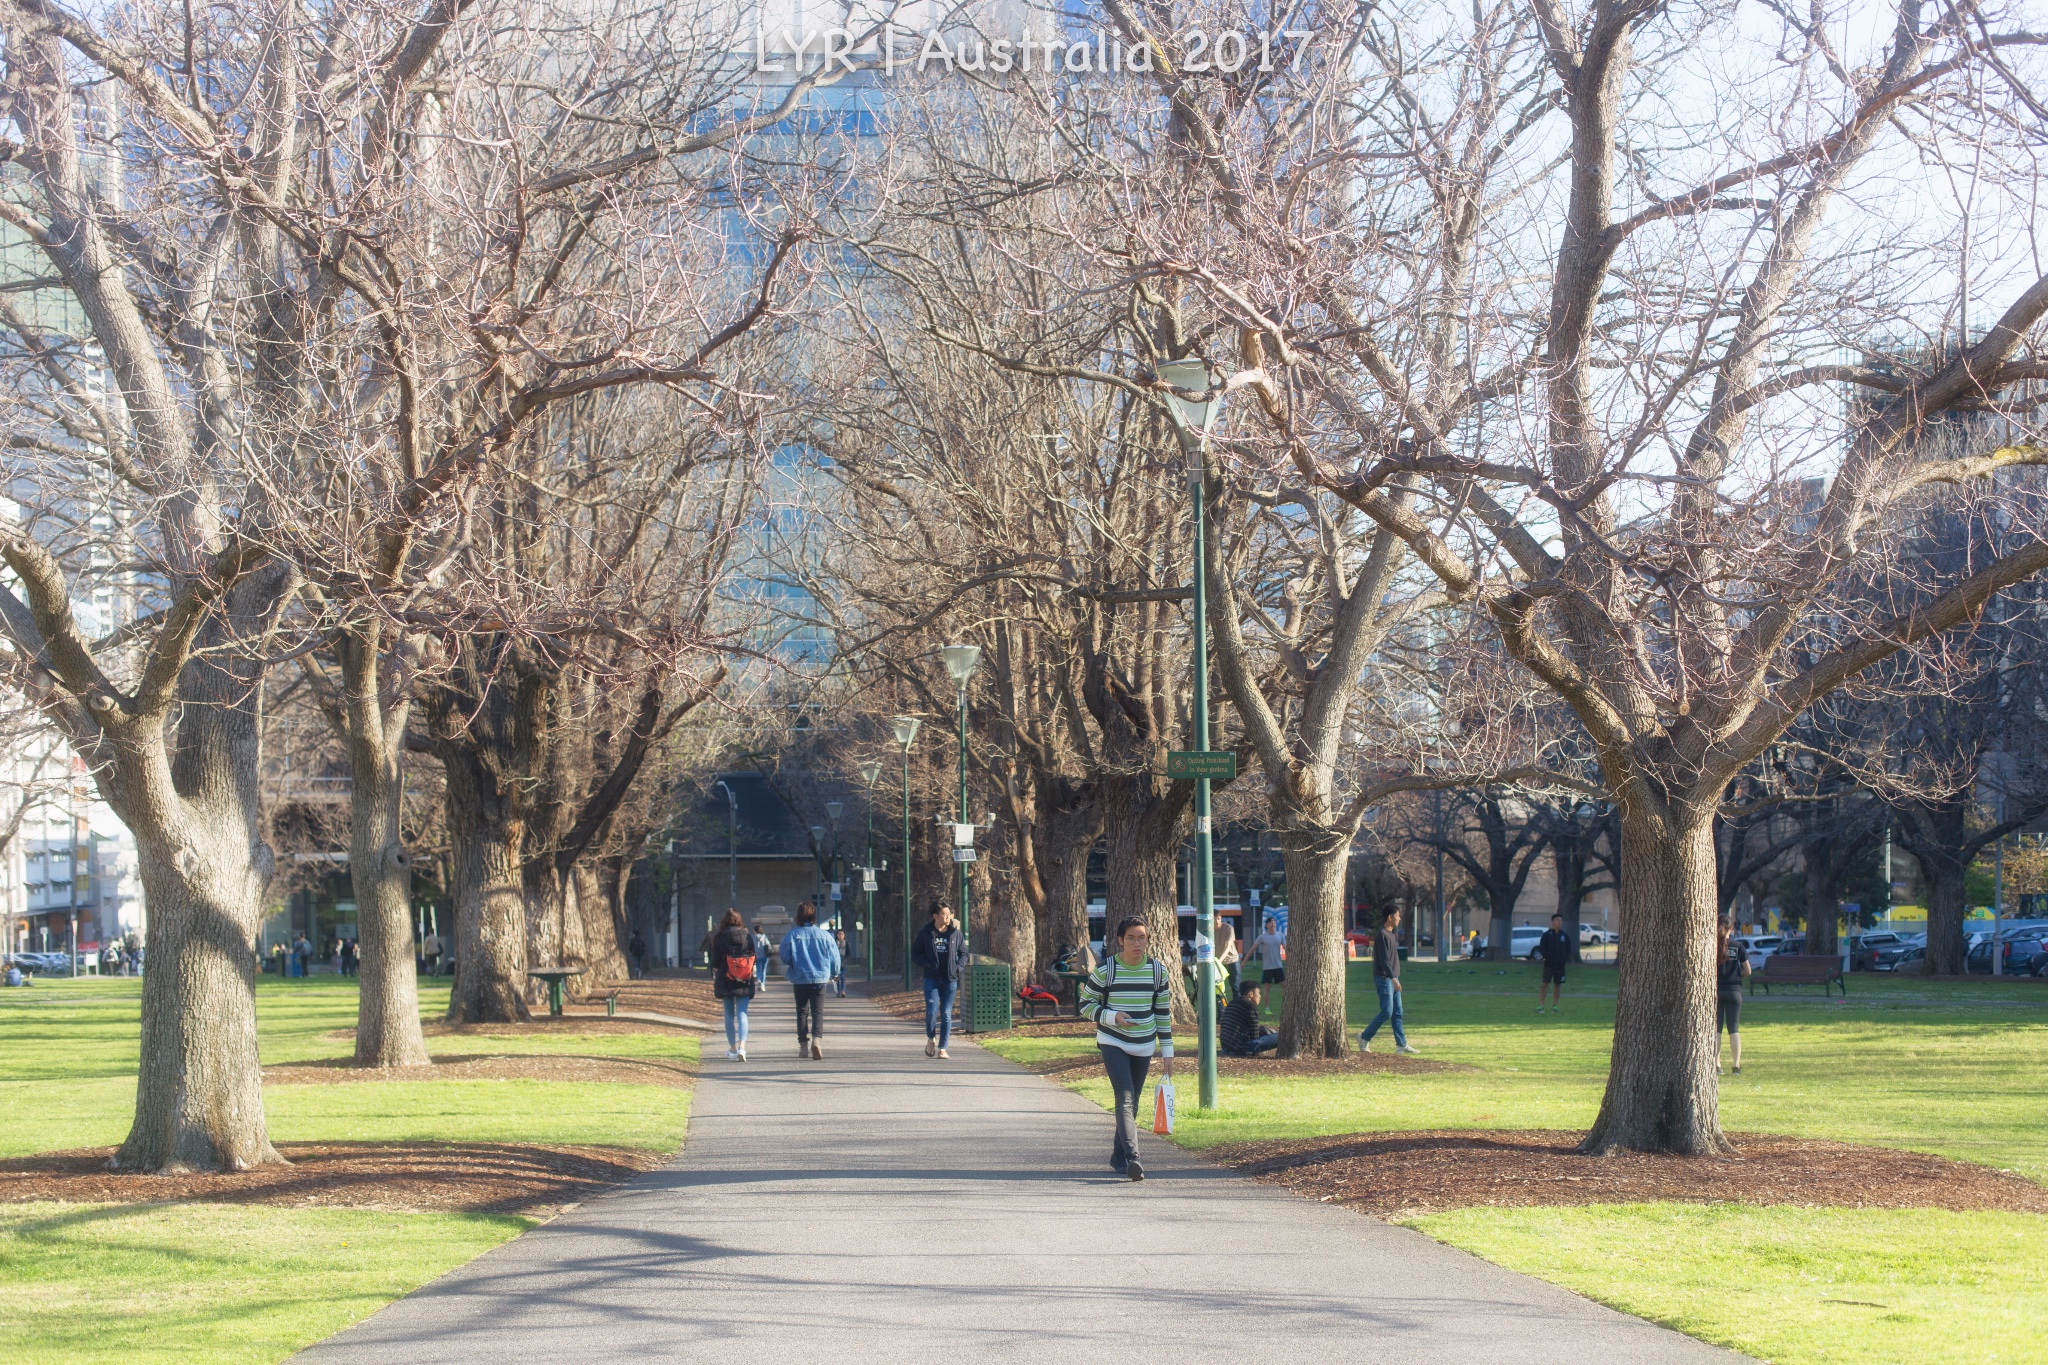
x,y
1802,969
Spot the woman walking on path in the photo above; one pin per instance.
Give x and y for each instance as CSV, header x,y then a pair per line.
x,y
1131,1004
735,971
1732,969
810,959
1227,956
1386,979
941,951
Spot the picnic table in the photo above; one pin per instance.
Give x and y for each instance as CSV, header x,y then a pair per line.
x,y
555,976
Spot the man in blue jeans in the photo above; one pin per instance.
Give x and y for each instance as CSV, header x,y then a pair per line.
x,y
941,950
1386,979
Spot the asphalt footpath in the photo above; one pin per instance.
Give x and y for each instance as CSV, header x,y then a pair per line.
x,y
883,1206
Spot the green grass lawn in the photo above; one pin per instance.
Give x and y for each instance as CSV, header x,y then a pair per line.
x,y
1793,1285
1954,1068
87,1283
228,1283
1946,1067
68,1056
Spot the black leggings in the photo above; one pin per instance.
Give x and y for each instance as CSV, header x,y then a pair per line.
x,y
1728,1015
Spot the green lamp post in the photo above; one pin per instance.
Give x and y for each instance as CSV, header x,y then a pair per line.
x,y
906,735
1195,418
961,661
869,771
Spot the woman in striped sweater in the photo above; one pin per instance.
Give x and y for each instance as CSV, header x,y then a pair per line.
x,y
1131,1001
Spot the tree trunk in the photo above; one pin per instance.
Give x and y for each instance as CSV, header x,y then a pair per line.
x,y
1312,1018
1067,838
1823,901
388,1009
601,906
1568,864
1662,1092
490,901
1947,953
204,867
199,1091
1144,833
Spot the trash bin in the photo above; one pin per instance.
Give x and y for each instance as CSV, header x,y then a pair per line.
x,y
988,995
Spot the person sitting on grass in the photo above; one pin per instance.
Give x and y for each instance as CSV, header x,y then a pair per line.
x,y
1242,1033
1555,948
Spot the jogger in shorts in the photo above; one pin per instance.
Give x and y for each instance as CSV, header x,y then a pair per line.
x,y
1555,948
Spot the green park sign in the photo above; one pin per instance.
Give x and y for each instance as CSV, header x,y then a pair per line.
x,y
1218,765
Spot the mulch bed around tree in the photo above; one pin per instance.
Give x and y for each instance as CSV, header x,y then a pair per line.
x,y
569,1026
490,1067
1398,1174
467,1177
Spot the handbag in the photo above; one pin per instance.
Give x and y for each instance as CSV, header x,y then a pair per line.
x,y
1162,1107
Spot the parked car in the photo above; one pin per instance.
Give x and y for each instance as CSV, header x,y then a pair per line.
x,y
1901,956
2019,951
1760,946
2026,956
1589,935
45,964
1522,941
1865,947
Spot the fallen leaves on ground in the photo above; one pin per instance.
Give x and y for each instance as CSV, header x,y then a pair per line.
x,y
1406,1174
469,1177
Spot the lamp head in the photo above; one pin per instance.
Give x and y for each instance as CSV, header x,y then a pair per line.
x,y
1193,374
834,809
906,730
961,661
869,772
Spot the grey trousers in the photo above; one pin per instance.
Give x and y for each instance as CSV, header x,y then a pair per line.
x,y
1127,1079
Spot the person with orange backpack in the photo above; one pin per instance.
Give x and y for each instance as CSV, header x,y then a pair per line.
x,y
735,974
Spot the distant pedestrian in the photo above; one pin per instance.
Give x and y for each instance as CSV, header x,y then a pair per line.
x,y
941,951
636,955
810,960
1731,971
1130,1001
430,952
735,975
1269,950
1227,956
302,955
1240,1032
351,957
1555,948
1386,980
839,981
763,949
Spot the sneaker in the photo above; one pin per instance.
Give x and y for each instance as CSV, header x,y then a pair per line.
x,y
1117,1164
947,1055
803,1049
1407,1051
931,1049
732,1054
1134,1170
743,1052
817,1053
1363,1046
1738,1071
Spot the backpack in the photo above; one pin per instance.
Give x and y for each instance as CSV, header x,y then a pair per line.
x,y
1109,961
739,970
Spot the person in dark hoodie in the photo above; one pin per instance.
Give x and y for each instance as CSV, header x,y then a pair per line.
x,y
735,974
942,952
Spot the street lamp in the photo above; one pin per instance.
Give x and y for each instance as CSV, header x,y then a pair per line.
x,y
732,863
961,661
869,771
833,810
906,735
1193,419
